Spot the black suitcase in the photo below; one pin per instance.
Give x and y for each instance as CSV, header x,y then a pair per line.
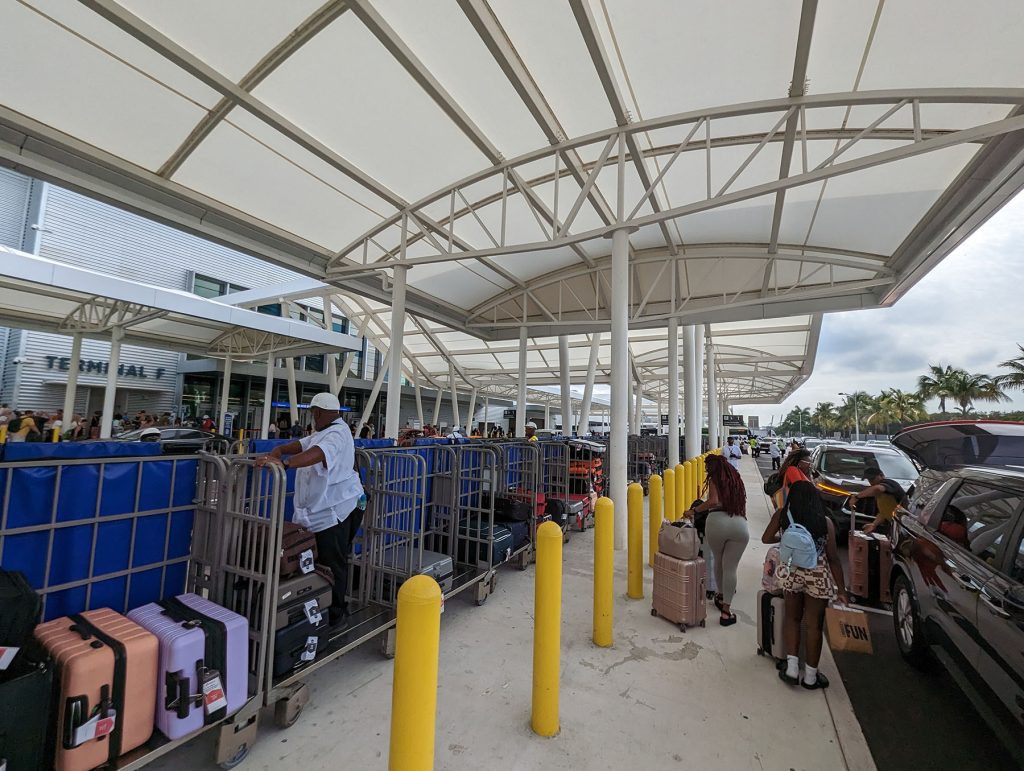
x,y
520,534
475,552
26,730
508,509
562,511
20,610
300,642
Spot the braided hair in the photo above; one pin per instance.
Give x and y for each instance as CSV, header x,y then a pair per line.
x,y
732,494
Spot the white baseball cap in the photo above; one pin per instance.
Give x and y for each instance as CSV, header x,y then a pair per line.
x,y
325,400
531,424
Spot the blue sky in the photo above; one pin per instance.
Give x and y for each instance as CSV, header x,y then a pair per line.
x,y
966,312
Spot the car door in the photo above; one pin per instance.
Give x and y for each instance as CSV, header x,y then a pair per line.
x,y
1001,628
968,559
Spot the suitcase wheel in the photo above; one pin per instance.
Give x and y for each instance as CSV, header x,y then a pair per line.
x,y
654,612
703,622
760,651
682,628
238,757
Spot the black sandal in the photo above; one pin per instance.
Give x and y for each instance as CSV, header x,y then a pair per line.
x,y
820,682
787,679
728,621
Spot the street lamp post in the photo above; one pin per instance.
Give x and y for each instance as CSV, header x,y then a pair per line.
x,y
856,416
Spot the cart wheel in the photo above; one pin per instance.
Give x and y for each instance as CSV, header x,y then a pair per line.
x,y
387,644
284,715
482,599
654,612
760,651
682,628
703,623
238,757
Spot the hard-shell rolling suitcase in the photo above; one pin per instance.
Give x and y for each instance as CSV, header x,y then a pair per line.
x,y
679,590
298,550
438,566
508,508
870,566
107,667
204,657
20,611
26,730
295,592
475,552
562,511
300,642
771,611
520,534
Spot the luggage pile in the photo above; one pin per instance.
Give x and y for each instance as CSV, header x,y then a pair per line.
x,y
870,567
680,576
173,666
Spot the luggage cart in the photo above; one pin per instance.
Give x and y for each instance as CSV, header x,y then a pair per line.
x,y
519,479
119,533
641,461
555,480
476,554
586,478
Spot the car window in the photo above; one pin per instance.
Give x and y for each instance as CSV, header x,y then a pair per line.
x,y
188,433
852,463
1017,568
979,518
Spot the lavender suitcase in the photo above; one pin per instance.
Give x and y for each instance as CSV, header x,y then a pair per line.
x,y
679,590
196,634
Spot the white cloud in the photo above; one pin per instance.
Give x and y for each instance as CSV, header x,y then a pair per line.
x,y
966,312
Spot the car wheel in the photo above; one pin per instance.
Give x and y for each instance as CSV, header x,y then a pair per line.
x,y
907,624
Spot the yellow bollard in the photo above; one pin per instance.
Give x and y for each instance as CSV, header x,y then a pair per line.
x,y
681,502
604,560
670,495
3,433
687,487
414,692
55,435
547,614
635,542
654,515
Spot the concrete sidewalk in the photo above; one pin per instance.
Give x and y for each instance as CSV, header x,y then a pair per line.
x,y
658,699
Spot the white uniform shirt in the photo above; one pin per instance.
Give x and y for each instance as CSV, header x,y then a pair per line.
x,y
773,448
325,496
734,453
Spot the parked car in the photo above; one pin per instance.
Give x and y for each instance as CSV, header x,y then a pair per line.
x,y
182,441
958,571
837,470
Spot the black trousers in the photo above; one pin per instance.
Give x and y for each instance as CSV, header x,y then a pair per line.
x,y
333,547
776,462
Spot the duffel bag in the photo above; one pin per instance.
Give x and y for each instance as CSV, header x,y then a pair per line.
x,y
679,540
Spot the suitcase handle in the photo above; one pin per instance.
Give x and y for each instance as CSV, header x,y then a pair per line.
x,y
178,696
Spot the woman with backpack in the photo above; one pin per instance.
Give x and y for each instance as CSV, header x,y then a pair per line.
x,y
795,468
811,576
726,531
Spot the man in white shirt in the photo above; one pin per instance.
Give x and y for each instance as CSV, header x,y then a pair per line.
x,y
328,493
776,452
733,452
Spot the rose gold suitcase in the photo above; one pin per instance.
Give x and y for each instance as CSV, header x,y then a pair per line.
x,y
870,566
679,590
107,669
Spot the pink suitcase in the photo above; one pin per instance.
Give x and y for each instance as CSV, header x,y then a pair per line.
x,y
679,590
204,658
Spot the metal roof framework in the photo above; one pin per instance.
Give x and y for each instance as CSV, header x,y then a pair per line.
x,y
496,167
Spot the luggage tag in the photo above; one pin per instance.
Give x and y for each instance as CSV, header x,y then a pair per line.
x,y
312,610
6,657
214,697
95,728
306,563
310,651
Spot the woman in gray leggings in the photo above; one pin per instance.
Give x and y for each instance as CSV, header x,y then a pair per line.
x,y
726,532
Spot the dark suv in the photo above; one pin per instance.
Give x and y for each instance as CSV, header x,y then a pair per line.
x,y
958,571
838,470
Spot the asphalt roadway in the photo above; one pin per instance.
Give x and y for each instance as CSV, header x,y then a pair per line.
x,y
912,719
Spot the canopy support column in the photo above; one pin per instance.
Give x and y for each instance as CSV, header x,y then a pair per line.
x,y
371,400
714,419
437,407
456,417
293,391
107,418
547,416
620,380
638,408
268,397
689,389
468,428
673,394
225,391
487,413
698,378
588,387
419,400
565,384
521,393
331,358
393,415
71,390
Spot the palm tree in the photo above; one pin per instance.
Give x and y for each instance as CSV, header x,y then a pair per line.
x,y
826,416
936,383
966,388
896,406
848,413
1015,377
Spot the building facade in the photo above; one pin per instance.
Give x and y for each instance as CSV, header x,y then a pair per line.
x,y
62,225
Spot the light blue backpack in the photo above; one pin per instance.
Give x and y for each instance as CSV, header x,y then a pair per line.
x,y
797,549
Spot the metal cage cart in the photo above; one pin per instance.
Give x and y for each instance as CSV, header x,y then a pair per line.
x,y
121,532
586,478
555,476
642,461
519,480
